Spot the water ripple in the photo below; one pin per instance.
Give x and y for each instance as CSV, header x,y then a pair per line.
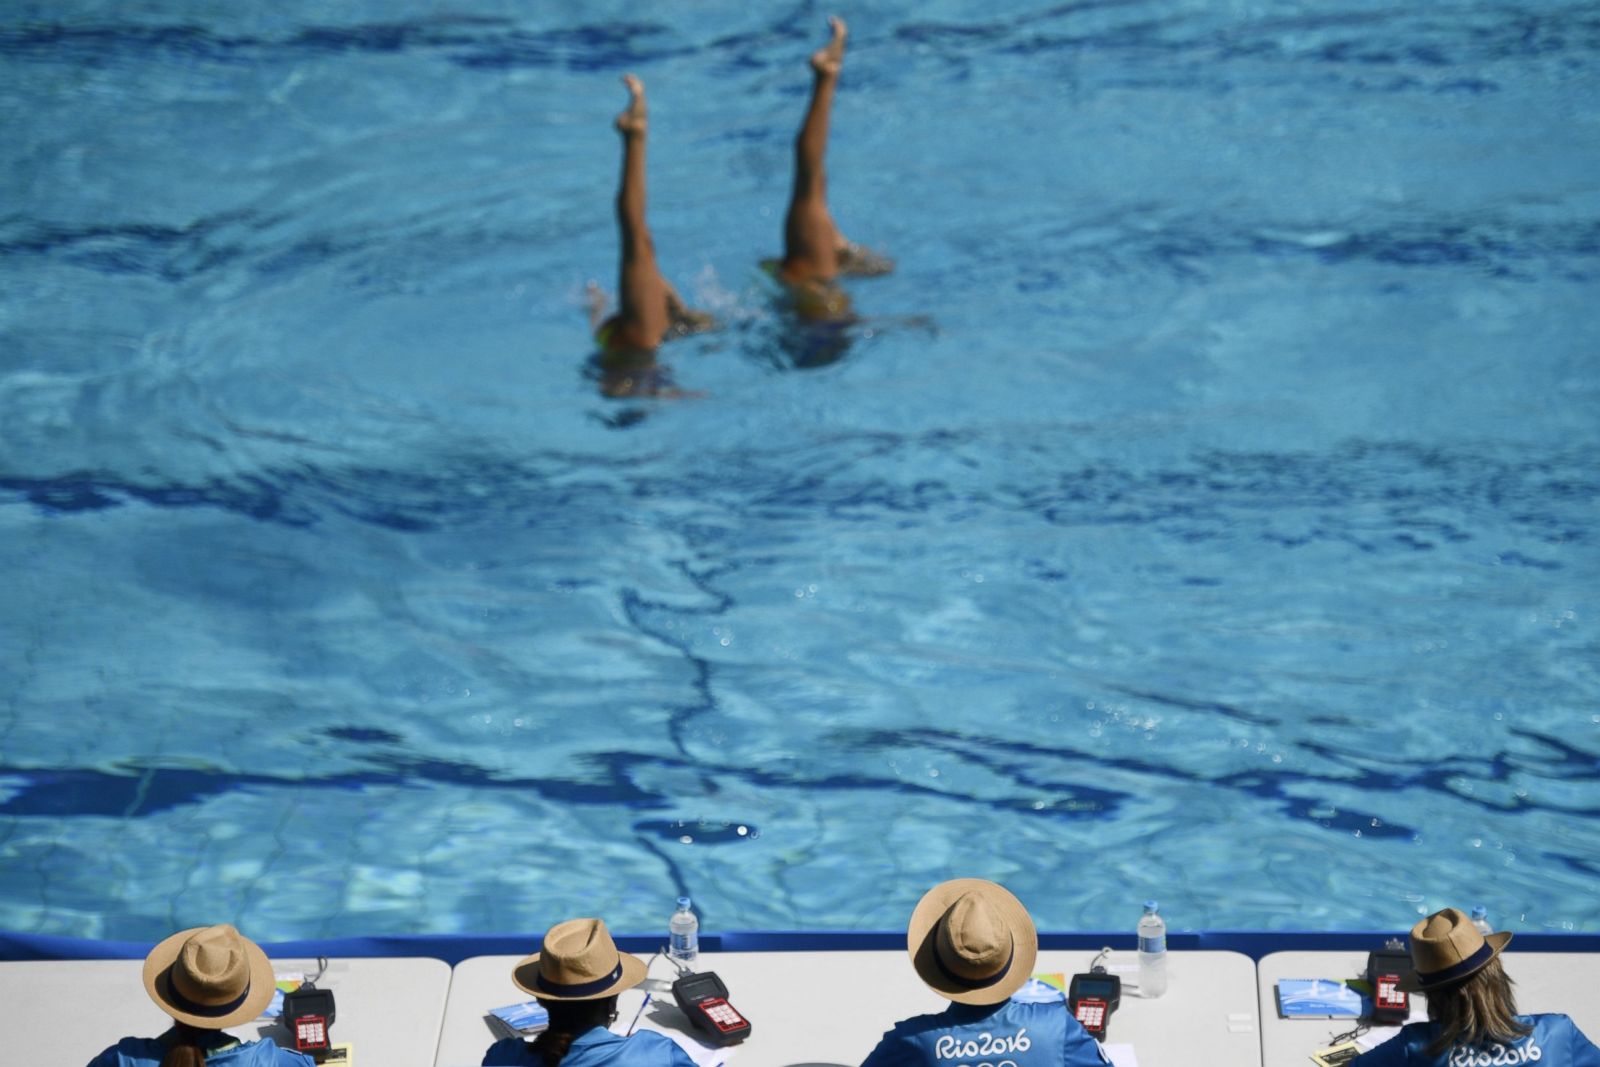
x,y
1375,497
1467,36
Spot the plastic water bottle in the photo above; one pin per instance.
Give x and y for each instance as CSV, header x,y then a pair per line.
x,y
1480,919
684,932
1152,952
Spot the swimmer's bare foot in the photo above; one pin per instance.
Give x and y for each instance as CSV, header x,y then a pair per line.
x,y
827,60
632,121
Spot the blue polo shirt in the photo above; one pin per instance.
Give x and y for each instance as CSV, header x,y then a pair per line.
x,y
595,1048
227,1052
1555,1042
967,1035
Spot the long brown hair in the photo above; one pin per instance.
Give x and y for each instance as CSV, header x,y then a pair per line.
x,y
186,1050
569,1019
1479,1010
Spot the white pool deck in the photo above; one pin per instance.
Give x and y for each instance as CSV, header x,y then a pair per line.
x,y
804,1007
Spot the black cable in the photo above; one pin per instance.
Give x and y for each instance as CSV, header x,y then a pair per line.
x,y
664,954
322,968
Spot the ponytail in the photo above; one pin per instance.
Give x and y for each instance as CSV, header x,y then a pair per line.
x,y
186,1050
569,1019
550,1046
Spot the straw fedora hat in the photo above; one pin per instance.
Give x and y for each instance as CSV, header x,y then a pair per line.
x,y
209,977
577,961
971,941
1445,948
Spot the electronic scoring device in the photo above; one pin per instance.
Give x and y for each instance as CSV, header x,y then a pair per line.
x,y
704,999
1092,998
308,1013
1390,1005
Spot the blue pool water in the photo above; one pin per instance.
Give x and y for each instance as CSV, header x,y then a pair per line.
x,y
1205,509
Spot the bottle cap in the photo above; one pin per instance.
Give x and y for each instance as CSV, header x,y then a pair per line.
x,y
1150,907
1479,912
683,902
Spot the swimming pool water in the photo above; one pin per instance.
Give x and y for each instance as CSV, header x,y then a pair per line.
x,y
1205,508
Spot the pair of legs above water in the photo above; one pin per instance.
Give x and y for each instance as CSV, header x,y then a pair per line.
x,y
815,252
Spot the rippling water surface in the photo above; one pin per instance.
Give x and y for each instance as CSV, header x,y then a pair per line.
x,y
1205,509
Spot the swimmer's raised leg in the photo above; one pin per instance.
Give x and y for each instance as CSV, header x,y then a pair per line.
x,y
811,241
650,309
641,319
814,249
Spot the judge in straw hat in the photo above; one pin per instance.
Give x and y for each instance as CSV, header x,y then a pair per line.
x,y
973,943
1472,1016
208,979
576,976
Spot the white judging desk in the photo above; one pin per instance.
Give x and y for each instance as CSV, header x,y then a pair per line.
x,y
1545,982
1206,1017
832,1007
67,1011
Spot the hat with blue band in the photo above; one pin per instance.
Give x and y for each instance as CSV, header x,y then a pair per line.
x,y
209,977
577,960
1446,948
971,941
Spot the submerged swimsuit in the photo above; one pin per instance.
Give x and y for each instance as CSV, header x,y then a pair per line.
x,y
602,336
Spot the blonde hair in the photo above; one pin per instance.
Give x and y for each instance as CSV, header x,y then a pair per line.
x,y
1478,1010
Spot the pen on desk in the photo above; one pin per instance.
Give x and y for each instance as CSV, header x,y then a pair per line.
x,y
636,1015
